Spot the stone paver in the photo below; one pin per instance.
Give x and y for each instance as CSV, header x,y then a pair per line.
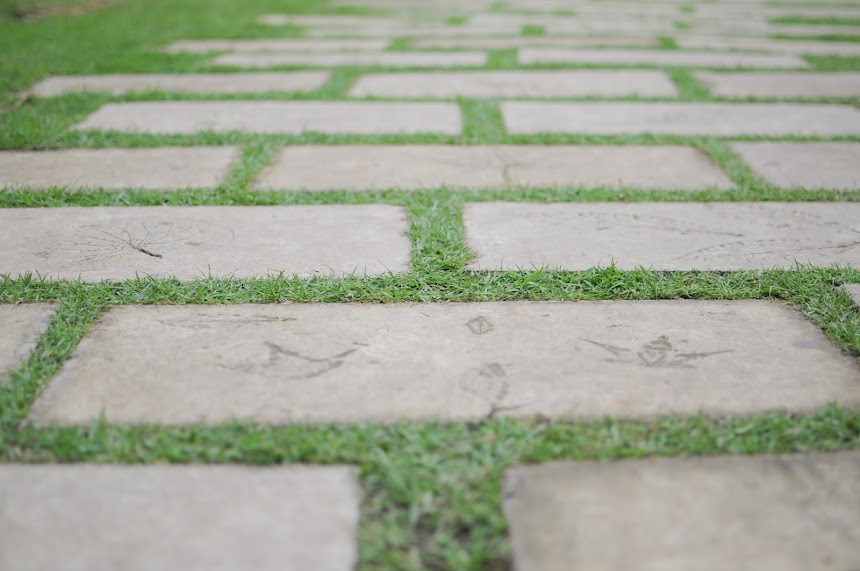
x,y
278,45
810,165
388,59
778,46
524,41
662,236
292,117
716,119
362,167
187,83
745,513
318,363
161,168
656,57
21,325
769,84
516,84
172,518
195,241
853,290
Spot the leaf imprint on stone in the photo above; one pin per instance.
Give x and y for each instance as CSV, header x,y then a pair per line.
x,y
658,353
285,363
480,325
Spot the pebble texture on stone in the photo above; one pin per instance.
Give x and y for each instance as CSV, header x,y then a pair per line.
x,y
781,84
168,517
352,363
656,57
663,236
799,164
384,59
21,325
188,242
745,513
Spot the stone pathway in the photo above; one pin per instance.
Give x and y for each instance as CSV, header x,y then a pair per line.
x,y
21,327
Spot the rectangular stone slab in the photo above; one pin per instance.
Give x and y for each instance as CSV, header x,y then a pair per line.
x,y
374,167
657,57
783,84
184,82
354,363
277,45
698,40
169,517
188,242
808,165
522,41
291,117
385,59
745,513
21,326
714,119
853,290
662,236
516,84
161,168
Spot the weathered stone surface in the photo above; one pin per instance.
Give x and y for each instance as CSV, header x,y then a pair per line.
x,y
745,513
294,117
716,119
317,363
810,165
777,46
853,290
662,236
185,82
516,84
644,24
194,241
21,325
136,518
770,84
388,59
362,167
163,168
657,57
523,41
328,20
276,45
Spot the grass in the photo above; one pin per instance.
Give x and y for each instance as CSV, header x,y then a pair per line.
x,y
431,491
533,30
815,21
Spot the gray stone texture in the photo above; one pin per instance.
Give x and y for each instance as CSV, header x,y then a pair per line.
x,y
662,236
853,290
658,57
384,59
744,513
698,40
115,243
808,165
353,363
172,518
525,41
291,117
375,167
782,84
276,45
184,82
714,119
519,83
329,20
21,325
161,168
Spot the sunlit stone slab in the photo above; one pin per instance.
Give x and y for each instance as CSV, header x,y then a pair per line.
x,y
318,363
745,513
140,518
782,84
189,242
276,45
374,167
292,117
524,41
21,325
763,44
388,59
810,165
516,84
716,119
658,57
662,236
163,168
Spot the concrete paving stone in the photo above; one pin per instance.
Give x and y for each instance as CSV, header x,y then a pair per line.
x,y
853,290
160,168
808,165
782,84
276,45
697,40
375,167
21,325
530,83
574,25
812,30
657,57
184,82
355,363
172,518
662,236
524,41
745,513
277,117
713,119
433,31
328,20
388,59
115,243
